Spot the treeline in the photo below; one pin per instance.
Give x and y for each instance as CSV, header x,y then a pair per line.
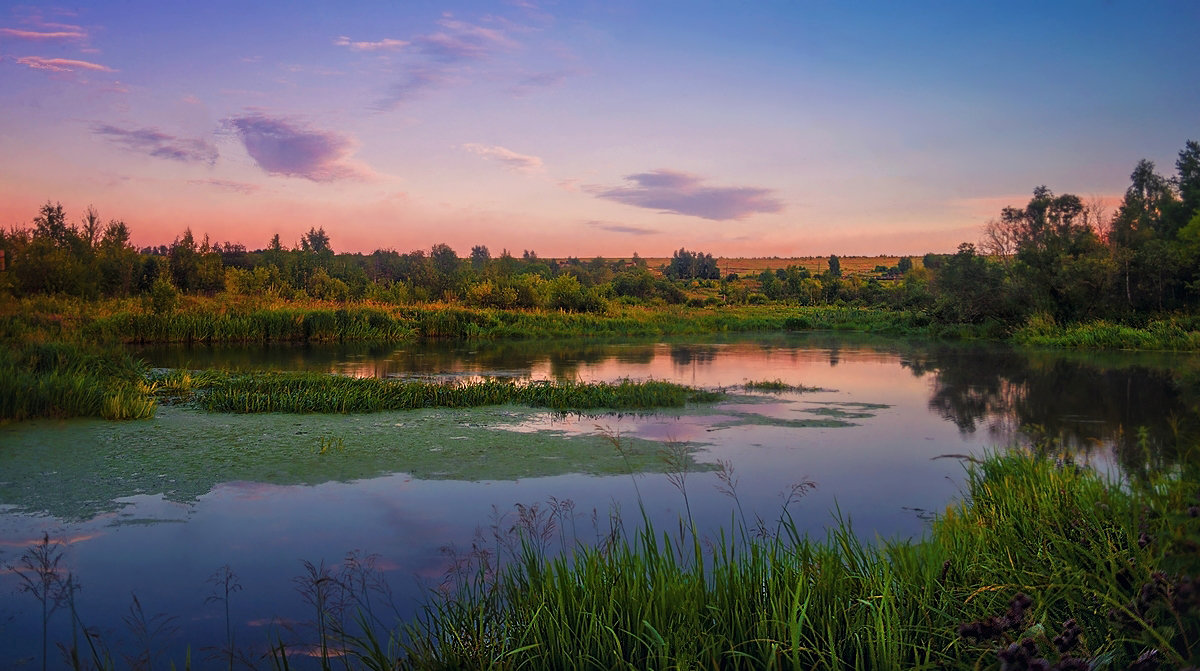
x,y
1058,257
91,260
1062,258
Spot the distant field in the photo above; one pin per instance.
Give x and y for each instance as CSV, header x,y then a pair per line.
x,y
851,265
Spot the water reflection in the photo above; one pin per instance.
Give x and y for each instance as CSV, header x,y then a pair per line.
x,y
1142,406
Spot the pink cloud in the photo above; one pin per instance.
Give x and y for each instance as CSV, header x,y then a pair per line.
x,y
621,228
684,193
283,147
461,41
509,158
386,44
74,33
61,64
228,185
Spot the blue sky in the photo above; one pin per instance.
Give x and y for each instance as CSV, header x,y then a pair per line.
x,y
586,128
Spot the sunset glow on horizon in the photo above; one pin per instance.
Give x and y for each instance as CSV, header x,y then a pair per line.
x,y
585,129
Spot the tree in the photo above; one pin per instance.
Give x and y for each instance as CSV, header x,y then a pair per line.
x,y
184,262
1061,265
51,225
445,267
316,241
685,265
904,265
1188,180
1141,237
835,266
117,260
480,257
970,289
999,240
90,231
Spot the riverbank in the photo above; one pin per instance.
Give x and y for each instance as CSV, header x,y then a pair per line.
x,y
1041,560
226,319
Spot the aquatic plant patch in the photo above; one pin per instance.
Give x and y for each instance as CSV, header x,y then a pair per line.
x,y
307,392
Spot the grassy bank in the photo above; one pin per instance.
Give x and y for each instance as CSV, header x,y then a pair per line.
x,y
228,319
56,380
1165,335
1039,561
222,320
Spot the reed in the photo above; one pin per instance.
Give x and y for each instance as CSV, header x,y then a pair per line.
x,y
775,385
317,393
1084,549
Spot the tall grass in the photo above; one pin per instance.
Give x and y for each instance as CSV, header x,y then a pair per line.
x,y
208,325
308,392
1165,334
1081,546
59,380
225,319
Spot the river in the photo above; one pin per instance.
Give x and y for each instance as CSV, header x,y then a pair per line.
x,y
155,508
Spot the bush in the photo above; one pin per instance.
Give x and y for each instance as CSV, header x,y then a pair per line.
x,y
163,297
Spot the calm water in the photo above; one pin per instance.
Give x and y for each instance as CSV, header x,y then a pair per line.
x,y
156,507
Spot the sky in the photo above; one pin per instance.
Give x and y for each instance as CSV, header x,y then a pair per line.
x,y
586,128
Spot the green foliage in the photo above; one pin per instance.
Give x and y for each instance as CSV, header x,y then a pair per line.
x,y
835,266
971,290
565,293
163,297
689,265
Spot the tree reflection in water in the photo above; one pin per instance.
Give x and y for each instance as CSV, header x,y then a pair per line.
x,y
1148,414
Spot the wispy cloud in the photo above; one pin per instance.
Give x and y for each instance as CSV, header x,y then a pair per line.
x,y
543,80
284,147
621,228
386,44
63,33
684,193
158,144
61,64
509,158
228,185
460,41
440,58
415,82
